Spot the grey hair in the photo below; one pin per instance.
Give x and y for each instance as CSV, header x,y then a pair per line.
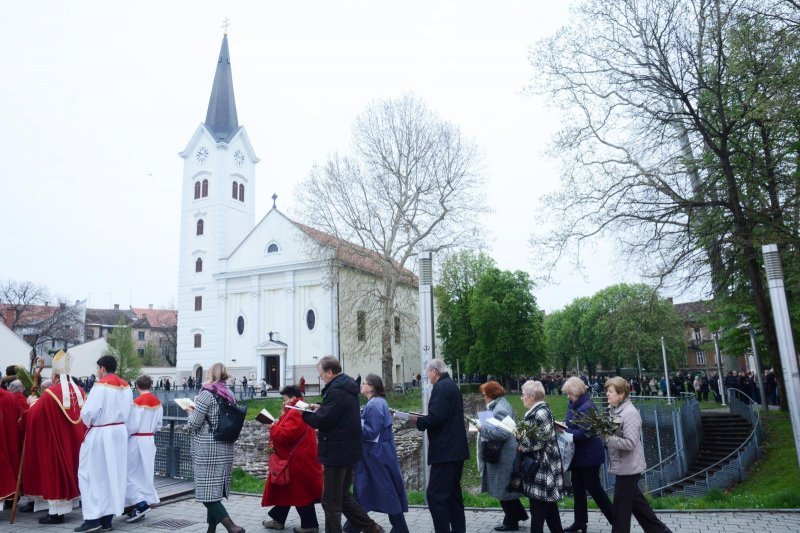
x,y
533,389
16,386
574,385
438,365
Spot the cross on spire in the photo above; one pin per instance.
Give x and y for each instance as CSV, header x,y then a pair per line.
x,y
274,197
225,25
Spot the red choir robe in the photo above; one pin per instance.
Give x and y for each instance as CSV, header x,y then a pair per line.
x,y
11,412
53,437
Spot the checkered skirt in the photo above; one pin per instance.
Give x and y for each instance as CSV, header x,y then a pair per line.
x,y
548,485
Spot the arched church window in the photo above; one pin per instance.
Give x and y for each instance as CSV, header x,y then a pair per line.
x,y
198,265
235,191
205,188
311,319
198,340
196,190
200,227
241,192
272,248
240,325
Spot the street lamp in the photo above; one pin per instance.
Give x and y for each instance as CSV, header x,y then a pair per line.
x,y
756,362
720,380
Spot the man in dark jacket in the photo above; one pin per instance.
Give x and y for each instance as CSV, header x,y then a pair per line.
x,y
338,425
447,450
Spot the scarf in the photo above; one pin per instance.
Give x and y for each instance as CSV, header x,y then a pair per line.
x,y
219,388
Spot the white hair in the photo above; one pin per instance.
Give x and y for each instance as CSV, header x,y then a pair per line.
x,y
438,365
533,389
16,386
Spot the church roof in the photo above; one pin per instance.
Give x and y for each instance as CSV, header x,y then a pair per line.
x,y
221,119
356,256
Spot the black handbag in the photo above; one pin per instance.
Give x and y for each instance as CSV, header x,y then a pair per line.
x,y
490,450
524,470
231,420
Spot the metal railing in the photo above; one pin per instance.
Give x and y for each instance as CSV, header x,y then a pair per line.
x,y
733,467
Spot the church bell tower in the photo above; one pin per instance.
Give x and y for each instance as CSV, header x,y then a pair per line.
x,y
217,212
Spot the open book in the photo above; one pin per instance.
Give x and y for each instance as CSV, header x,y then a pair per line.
x,y
265,417
507,424
560,424
297,407
184,403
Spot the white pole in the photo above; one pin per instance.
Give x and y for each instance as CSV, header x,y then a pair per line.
x,y
426,338
758,370
720,380
666,369
783,329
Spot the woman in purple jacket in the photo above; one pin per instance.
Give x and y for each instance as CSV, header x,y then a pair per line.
x,y
589,455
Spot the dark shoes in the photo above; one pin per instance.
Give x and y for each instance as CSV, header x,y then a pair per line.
x,y
52,519
90,525
575,528
503,527
27,508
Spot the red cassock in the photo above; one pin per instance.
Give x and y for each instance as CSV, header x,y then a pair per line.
x,y
304,469
11,411
53,437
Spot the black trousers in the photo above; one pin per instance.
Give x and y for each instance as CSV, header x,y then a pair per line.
x,y
545,511
629,499
513,512
445,501
308,516
338,500
587,479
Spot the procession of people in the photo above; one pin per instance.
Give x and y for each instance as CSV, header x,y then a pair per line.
x,y
61,448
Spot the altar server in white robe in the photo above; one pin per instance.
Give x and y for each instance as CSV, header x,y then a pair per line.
x,y
145,419
103,465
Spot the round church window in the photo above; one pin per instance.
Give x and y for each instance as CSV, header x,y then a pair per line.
x,y
311,319
240,325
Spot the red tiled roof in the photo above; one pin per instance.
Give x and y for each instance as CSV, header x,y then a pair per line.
x,y
356,256
156,318
33,314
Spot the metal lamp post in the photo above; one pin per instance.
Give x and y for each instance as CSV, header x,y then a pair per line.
x,y
757,364
666,369
426,341
783,329
720,381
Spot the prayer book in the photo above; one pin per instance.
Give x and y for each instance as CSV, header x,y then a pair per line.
x,y
507,424
184,403
402,415
302,409
265,417
301,404
560,424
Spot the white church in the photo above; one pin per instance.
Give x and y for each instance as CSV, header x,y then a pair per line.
x,y
269,299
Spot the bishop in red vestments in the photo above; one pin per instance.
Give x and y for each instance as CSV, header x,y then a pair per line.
x,y
53,436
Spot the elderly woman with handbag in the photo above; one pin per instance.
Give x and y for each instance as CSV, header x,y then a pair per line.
x,y
212,459
626,461
497,449
299,481
546,486
589,455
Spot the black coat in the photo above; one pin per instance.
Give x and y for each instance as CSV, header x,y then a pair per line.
x,y
447,436
338,423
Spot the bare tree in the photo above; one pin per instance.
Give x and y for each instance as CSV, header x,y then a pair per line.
x,y
681,138
412,183
20,297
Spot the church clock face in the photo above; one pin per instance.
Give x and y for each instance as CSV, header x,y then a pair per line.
x,y
202,154
238,158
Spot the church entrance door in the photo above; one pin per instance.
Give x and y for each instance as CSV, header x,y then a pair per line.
x,y
272,371
198,377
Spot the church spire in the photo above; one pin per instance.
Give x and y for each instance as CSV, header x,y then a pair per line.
x,y
221,119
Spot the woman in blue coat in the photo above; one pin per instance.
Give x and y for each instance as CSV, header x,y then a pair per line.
x,y
377,480
589,455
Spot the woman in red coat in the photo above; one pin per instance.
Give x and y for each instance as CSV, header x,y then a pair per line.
x,y
292,439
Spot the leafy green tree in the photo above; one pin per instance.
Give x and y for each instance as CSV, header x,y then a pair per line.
x,y
460,274
507,324
121,346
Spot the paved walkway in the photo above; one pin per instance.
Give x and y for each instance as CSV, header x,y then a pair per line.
x,y
188,516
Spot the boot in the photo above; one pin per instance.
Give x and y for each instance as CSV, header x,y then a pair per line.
x,y
230,526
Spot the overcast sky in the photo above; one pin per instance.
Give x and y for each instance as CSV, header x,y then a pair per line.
x,y
99,97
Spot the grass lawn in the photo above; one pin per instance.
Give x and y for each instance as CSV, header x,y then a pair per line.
x,y
771,484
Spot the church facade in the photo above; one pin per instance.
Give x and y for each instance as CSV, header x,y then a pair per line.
x,y
269,299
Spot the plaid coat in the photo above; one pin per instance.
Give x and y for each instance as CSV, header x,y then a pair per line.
x,y
212,459
548,485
